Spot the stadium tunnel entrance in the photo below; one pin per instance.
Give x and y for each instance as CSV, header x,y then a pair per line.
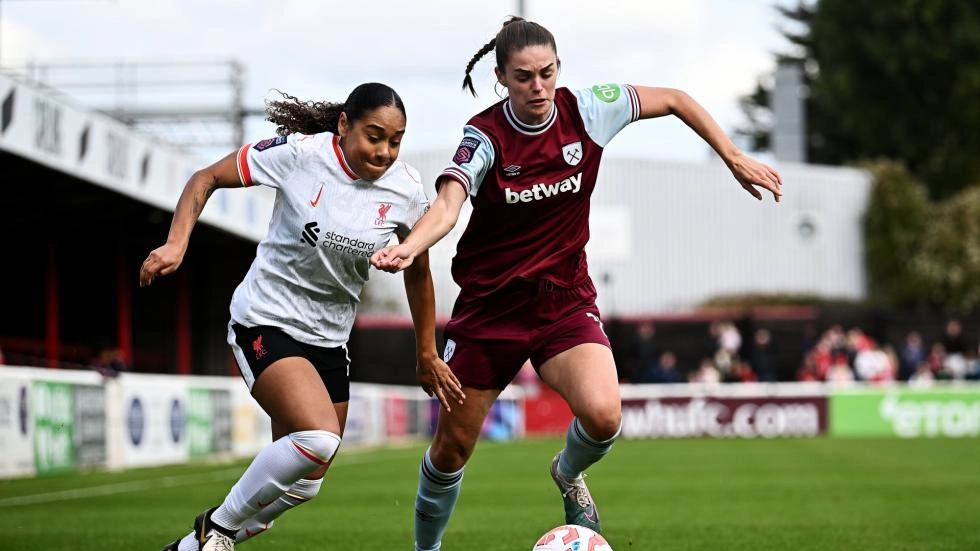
x,y
69,282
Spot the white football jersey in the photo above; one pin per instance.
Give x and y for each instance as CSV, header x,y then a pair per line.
x,y
310,267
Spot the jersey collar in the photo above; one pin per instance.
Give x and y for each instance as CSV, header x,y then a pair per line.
x,y
340,158
530,130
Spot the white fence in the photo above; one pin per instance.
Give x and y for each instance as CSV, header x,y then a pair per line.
x,y
57,420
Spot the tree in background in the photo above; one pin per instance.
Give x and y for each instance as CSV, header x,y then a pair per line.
x,y
894,230
948,261
897,80
921,253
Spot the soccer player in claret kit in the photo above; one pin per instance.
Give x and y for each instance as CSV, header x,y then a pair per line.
x,y
529,166
341,194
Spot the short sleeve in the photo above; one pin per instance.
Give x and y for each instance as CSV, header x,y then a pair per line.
x,y
417,206
606,109
472,160
268,162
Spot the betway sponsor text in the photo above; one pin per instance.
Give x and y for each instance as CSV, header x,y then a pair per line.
x,y
542,191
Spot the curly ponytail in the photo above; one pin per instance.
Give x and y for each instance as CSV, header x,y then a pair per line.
x,y
294,116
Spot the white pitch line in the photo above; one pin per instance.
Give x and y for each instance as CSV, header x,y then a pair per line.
x,y
120,488
165,482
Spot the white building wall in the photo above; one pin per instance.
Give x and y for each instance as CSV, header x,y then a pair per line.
x,y
696,234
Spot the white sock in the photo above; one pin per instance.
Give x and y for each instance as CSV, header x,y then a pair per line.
x,y
189,543
299,493
272,472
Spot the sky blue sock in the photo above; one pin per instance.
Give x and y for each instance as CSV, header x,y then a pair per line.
x,y
434,504
581,450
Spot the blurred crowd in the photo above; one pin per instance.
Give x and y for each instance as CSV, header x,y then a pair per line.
x,y
843,356
108,359
837,355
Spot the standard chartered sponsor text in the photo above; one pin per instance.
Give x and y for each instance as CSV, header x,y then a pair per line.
x,y
348,245
912,419
701,417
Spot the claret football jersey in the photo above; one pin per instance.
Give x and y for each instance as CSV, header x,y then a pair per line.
x,y
530,187
326,222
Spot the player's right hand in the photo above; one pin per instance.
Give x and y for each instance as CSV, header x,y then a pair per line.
x,y
161,261
393,258
437,379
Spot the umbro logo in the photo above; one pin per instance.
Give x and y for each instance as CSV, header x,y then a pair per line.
x,y
311,234
512,170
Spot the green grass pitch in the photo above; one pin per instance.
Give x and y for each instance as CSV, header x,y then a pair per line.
x,y
753,495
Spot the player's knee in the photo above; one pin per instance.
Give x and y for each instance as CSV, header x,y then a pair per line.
x,y
317,445
604,423
305,489
450,453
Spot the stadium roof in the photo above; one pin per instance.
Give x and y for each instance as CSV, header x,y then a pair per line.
x,y
43,126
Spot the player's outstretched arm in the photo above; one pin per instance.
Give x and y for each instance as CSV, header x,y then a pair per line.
x,y
167,258
433,374
750,173
433,226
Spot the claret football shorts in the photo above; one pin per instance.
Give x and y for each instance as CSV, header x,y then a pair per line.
x,y
489,338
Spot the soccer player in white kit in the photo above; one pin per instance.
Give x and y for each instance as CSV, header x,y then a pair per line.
x,y
341,194
529,165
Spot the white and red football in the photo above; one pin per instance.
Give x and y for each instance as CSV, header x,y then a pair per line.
x,y
571,538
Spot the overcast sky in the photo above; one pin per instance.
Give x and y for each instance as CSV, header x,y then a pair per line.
x,y
713,49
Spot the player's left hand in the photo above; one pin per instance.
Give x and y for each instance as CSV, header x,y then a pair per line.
x,y
436,378
751,174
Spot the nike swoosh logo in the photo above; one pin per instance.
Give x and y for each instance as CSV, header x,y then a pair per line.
x,y
314,202
260,504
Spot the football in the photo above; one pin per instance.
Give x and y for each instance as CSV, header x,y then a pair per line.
x,y
571,538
